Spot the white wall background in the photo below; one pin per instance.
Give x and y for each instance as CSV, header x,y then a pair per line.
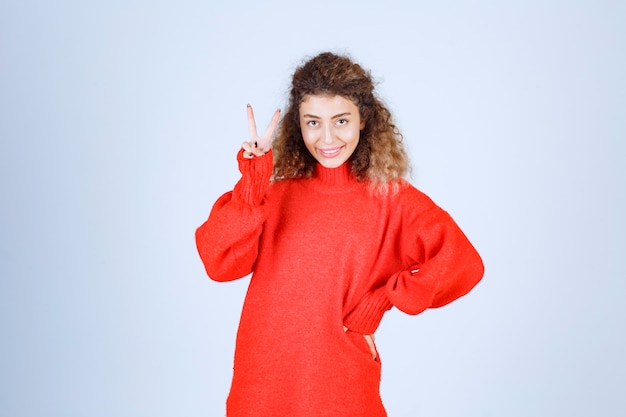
x,y
119,123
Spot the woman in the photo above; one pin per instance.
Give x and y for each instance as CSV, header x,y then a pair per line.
x,y
334,237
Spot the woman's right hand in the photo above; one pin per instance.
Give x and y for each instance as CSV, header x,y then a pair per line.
x,y
259,145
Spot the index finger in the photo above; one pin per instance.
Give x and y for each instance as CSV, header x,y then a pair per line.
x,y
264,141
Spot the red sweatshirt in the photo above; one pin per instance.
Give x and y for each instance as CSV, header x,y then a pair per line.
x,y
325,252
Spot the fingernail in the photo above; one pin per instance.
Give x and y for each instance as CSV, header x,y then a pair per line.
x,y
248,105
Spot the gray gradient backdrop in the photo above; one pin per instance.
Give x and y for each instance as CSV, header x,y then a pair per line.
x,y
119,124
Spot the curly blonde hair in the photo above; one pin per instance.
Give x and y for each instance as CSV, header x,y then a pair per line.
x,y
379,157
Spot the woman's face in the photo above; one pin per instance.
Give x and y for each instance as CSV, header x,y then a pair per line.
x,y
330,128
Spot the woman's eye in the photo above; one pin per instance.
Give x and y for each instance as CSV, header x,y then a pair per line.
x,y
312,123
342,122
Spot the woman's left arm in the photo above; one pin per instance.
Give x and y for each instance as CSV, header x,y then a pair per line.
x,y
445,265
442,265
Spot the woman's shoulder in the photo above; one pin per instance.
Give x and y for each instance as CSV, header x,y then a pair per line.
x,y
283,183
284,186
416,206
413,202
407,193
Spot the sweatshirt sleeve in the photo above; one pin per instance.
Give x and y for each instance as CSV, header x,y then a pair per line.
x,y
228,241
442,265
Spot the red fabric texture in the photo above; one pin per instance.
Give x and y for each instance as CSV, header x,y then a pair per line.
x,y
325,252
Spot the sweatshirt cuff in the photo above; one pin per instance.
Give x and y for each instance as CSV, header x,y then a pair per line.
x,y
366,316
255,177
412,292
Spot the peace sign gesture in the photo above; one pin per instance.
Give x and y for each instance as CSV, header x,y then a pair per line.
x,y
259,145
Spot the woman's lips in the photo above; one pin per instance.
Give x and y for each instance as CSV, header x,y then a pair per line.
x,y
330,152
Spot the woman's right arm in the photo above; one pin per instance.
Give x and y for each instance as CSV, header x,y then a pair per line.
x,y
228,241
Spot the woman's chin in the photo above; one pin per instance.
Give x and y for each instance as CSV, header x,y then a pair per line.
x,y
331,163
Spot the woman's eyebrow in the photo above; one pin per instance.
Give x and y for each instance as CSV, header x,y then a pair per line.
x,y
312,116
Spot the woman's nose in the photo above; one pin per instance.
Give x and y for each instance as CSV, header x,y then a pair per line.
x,y
327,136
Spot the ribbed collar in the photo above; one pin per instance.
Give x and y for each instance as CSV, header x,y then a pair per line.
x,y
334,180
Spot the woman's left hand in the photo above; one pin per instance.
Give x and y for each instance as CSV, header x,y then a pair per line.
x,y
369,338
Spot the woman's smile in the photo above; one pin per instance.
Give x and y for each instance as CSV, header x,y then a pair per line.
x,y
330,152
